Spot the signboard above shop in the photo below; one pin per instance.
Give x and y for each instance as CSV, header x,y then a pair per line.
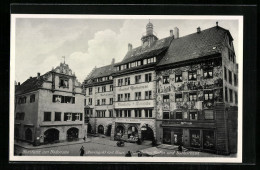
x,y
135,104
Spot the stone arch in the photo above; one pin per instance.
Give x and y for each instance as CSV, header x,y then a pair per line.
x,y
100,129
131,132
28,134
150,133
108,129
72,133
51,135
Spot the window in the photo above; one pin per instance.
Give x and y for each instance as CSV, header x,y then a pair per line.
x,y
137,95
111,101
127,96
230,76
209,114
67,116
120,113
120,82
128,113
166,98
90,91
85,102
148,77
178,77
165,79
138,113
127,81
110,113
192,75
47,116
178,97
208,139
98,89
68,99
103,101
230,95
208,95
98,102
57,116
166,115
226,94
195,140
32,98
193,115
193,96
138,79
235,97
148,112
22,100
208,73
120,97
90,101
64,83
111,87
178,115
148,95
103,88
101,113
145,61
138,63
20,116
58,99
235,79
225,73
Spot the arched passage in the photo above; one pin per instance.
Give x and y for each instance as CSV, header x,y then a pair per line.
x,y
147,134
51,135
132,132
109,127
28,134
89,128
72,133
101,129
120,130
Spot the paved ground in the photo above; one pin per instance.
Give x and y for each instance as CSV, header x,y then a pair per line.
x,y
98,146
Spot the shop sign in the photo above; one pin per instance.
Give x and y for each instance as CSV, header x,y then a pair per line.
x,y
135,104
134,87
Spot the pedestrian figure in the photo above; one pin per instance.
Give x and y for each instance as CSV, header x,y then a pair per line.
x,y
84,138
139,154
128,154
180,148
82,151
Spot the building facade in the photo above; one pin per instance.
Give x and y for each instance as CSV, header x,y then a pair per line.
x,y
176,90
50,108
99,104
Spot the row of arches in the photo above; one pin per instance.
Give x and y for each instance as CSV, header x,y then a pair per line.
x,y
120,130
51,135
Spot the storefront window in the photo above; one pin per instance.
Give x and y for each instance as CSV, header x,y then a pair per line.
x,y
195,138
167,136
208,139
166,115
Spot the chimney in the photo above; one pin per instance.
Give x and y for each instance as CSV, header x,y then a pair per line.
x,y
30,77
171,33
19,84
217,23
130,47
113,61
198,30
176,32
38,75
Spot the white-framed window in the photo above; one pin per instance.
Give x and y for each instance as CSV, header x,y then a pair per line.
x,y
138,96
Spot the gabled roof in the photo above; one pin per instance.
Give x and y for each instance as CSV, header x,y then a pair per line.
x,y
101,71
30,84
143,52
207,42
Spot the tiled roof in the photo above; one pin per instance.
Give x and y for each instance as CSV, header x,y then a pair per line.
x,y
142,52
30,84
101,71
207,42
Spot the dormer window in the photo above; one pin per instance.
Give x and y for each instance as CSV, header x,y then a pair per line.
x,y
64,83
208,73
192,75
178,77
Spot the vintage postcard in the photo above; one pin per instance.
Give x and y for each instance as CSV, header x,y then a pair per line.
x,y
126,88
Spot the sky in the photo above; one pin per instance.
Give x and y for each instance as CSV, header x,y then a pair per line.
x,y
40,43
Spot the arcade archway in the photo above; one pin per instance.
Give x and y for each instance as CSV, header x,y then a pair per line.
x,y
51,135
147,134
132,132
101,129
72,134
109,127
